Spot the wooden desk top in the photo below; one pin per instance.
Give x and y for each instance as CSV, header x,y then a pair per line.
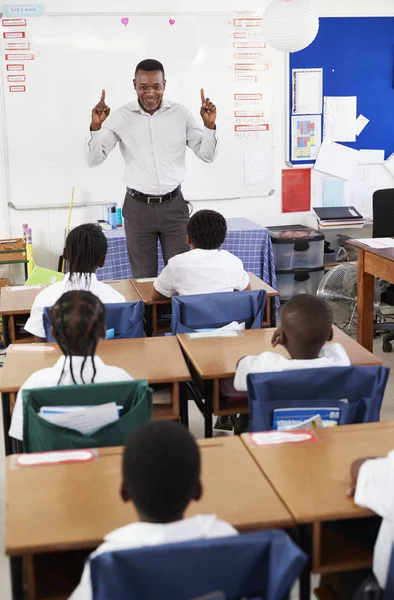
x,y
312,478
144,289
73,506
217,357
159,360
387,253
17,302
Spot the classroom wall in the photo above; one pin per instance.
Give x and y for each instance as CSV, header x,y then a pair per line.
x,y
48,225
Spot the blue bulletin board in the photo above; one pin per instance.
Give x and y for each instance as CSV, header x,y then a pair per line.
x,y
357,58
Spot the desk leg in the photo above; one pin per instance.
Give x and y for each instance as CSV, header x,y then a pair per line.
x,y
16,567
6,330
305,578
149,320
208,403
5,400
365,296
272,302
184,404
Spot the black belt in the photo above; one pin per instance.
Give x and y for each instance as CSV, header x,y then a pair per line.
x,y
153,199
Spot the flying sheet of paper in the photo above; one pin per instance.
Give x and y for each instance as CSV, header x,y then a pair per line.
x,y
307,91
333,193
378,242
340,113
370,157
305,137
256,167
86,421
361,123
389,164
337,160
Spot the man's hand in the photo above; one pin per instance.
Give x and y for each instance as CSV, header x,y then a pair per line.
x,y
99,113
207,112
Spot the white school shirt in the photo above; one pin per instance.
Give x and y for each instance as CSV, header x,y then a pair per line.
x,y
138,535
49,378
331,355
153,146
375,490
202,272
52,293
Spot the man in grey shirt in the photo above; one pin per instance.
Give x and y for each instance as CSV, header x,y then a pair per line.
x,y
153,133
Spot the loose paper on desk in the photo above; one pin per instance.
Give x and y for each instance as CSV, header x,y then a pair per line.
x,y
256,164
370,157
307,91
337,160
50,458
377,242
305,137
340,113
333,193
389,164
273,438
361,123
87,420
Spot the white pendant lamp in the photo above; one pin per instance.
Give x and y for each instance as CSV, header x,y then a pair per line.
x,y
290,25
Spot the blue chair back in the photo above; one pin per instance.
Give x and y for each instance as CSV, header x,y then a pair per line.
x,y
357,391
125,318
210,311
260,565
389,589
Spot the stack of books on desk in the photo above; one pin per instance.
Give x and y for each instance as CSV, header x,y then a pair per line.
x,y
341,216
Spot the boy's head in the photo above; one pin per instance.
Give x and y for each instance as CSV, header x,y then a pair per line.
x,y
86,249
206,229
306,325
161,471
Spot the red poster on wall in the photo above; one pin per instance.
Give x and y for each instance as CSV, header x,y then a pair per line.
x,y
296,190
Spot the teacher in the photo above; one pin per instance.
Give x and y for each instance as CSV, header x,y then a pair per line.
x,y
153,133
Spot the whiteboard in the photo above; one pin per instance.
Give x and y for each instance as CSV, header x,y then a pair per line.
x,y
74,57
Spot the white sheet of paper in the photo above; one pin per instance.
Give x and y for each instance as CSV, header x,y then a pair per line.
x,y
377,242
146,279
361,123
23,288
370,157
256,167
307,91
45,458
215,333
336,160
340,114
389,164
31,348
86,420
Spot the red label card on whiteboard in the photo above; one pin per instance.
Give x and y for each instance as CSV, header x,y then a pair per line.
x,y
296,190
15,67
13,78
17,46
7,35
13,22
19,56
17,88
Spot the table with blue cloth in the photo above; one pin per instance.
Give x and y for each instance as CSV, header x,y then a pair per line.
x,y
248,240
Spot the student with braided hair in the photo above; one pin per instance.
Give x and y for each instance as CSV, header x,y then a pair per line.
x,y
78,322
86,249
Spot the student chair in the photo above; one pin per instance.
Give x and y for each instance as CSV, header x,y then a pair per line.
x,y
39,435
389,589
357,391
261,565
211,311
125,318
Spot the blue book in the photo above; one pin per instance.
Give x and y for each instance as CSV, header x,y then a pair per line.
x,y
293,417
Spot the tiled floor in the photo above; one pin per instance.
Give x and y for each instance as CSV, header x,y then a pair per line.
x,y
197,427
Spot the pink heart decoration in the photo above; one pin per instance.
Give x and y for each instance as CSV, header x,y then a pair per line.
x,y
172,21
124,21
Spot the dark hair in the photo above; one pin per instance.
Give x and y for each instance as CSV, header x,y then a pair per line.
x,y
308,319
150,64
161,470
77,319
86,249
207,229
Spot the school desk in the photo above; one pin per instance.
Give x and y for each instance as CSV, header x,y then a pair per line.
x,y
81,503
372,262
144,289
159,360
215,358
312,479
19,301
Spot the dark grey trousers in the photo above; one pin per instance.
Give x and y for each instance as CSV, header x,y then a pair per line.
x,y
145,223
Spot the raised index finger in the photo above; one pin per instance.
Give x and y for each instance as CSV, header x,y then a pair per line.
x,y
102,99
202,96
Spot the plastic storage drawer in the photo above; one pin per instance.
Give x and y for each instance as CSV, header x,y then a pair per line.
x,y
297,247
291,283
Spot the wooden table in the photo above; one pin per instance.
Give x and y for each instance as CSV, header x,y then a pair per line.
x,y
312,479
215,358
372,262
20,301
144,289
159,360
71,507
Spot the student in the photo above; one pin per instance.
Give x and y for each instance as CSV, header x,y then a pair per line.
x,y
161,477
306,326
86,248
78,322
204,269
